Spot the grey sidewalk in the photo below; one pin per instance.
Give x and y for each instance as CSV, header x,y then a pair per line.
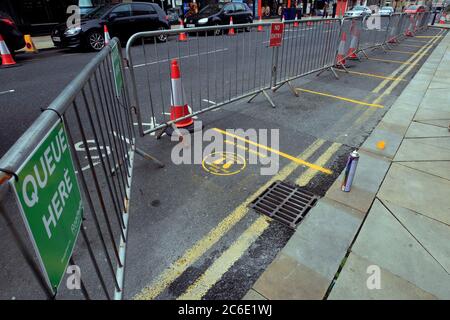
x,y
406,232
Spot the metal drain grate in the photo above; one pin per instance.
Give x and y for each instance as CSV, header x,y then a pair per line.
x,y
285,203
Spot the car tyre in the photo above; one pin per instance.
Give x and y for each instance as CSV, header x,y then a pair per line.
x,y
95,40
161,37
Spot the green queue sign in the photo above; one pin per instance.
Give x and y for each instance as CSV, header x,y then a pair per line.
x,y
50,202
117,69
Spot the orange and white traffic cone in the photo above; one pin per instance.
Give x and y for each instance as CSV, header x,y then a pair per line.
x,y
296,21
340,58
354,32
29,44
231,31
107,37
7,58
309,23
182,36
260,27
442,18
282,19
179,108
392,38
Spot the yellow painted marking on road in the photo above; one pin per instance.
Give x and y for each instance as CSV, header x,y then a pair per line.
x,y
309,174
204,244
407,52
221,265
410,45
364,103
418,41
371,75
390,61
399,69
428,36
280,153
245,148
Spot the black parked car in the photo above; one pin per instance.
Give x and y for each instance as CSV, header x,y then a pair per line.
x,y
12,36
123,20
220,14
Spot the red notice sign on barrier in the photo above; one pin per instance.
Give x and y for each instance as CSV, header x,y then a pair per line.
x,y
276,34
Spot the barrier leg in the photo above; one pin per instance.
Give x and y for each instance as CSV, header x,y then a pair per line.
x,y
149,157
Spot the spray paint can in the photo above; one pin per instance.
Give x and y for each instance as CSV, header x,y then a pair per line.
x,y
350,170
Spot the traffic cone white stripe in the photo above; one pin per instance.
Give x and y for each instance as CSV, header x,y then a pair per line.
x,y
7,58
177,98
107,37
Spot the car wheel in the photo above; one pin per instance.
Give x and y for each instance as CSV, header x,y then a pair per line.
x,y
161,37
217,32
95,40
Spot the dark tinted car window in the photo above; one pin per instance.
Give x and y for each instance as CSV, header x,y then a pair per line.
x,y
211,8
122,11
229,8
142,9
97,12
239,7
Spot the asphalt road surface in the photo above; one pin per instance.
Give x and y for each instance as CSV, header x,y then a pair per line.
x,y
192,233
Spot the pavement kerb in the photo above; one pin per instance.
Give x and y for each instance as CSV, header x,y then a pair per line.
x,y
401,109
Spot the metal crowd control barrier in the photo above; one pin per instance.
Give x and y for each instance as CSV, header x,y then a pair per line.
x,y
216,69
307,48
94,123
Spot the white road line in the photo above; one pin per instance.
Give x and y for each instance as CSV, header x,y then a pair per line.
x,y
209,101
182,57
7,91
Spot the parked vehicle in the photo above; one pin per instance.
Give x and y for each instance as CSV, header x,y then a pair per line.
x,y
220,14
386,11
10,33
173,16
358,11
415,9
122,20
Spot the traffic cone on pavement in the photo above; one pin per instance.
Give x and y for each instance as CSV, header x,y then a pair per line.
x,y
340,58
29,44
296,21
182,36
231,31
179,108
309,23
107,37
354,32
7,58
260,27
408,31
442,18
282,19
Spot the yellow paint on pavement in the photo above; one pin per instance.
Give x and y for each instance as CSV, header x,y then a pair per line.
x,y
204,244
364,103
245,148
370,75
428,37
390,61
408,52
280,153
307,176
221,265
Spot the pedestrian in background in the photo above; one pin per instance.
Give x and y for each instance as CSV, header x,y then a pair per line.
x,y
325,10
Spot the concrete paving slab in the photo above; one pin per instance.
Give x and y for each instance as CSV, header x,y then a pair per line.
x,y
440,168
411,97
440,83
392,140
352,284
434,236
323,238
422,130
437,99
253,295
424,149
429,113
438,123
421,192
385,242
286,279
369,175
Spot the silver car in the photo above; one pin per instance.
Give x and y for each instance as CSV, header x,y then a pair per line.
x,y
358,11
386,11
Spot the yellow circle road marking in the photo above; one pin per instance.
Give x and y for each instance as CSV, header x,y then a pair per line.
x,y
224,163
